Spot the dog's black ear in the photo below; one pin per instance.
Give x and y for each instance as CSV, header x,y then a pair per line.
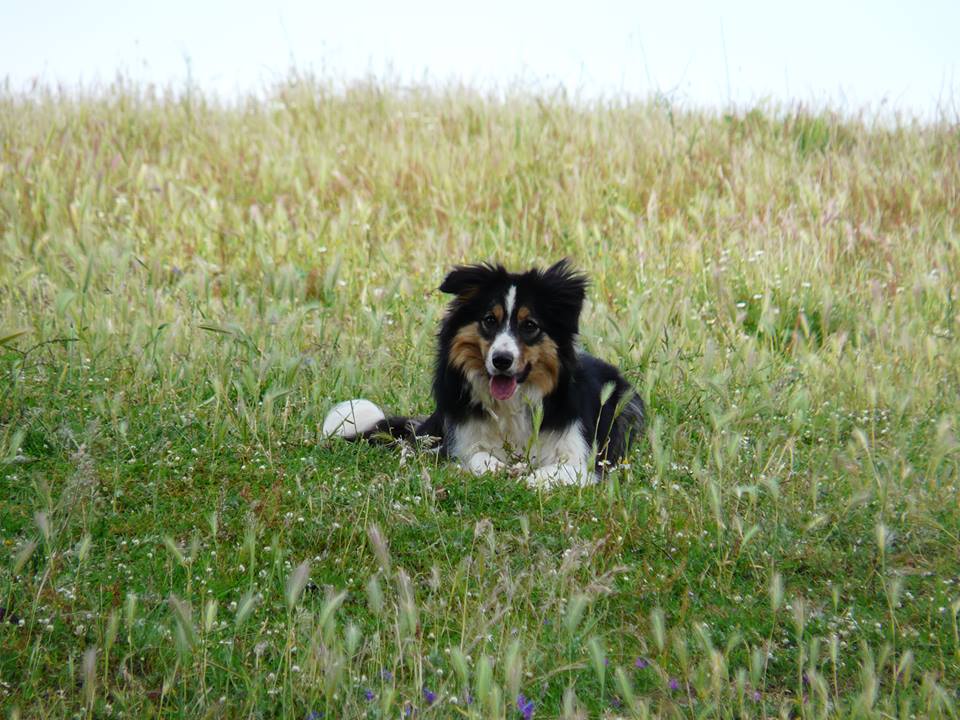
x,y
464,280
565,287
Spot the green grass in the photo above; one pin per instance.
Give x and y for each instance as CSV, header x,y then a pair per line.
x,y
186,287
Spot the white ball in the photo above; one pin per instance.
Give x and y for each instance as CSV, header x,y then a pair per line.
x,y
350,418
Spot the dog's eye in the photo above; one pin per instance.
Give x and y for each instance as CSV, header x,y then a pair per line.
x,y
529,327
490,321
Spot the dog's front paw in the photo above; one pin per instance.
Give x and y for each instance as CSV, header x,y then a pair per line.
x,y
551,476
482,463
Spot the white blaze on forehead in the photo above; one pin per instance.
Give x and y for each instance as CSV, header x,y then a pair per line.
x,y
511,299
505,342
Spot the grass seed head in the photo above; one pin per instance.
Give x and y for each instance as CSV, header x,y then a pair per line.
x,y
296,582
380,550
574,613
776,591
90,675
375,595
659,628
244,608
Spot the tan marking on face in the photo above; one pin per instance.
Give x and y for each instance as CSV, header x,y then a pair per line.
x,y
544,364
468,350
498,312
522,314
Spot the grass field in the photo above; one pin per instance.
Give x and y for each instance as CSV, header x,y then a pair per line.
x,y
186,287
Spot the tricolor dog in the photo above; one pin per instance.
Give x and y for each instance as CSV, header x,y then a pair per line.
x,y
511,385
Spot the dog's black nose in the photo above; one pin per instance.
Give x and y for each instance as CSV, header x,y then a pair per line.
x,y
501,361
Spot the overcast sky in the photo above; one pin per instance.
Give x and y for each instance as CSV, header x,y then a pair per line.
x,y
877,55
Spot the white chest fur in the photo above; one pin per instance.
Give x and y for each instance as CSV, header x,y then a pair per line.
x,y
506,427
505,434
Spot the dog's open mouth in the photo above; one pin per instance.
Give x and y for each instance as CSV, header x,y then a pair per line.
x,y
502,387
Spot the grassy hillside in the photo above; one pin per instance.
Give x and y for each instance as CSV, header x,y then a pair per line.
x,y
185,288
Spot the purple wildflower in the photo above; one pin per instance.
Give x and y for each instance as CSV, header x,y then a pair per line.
x,y
429,696
368,694
641,663
525,706
314,715
757,696
386,675
674,684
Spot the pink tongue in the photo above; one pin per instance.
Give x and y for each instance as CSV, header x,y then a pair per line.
x,y
502,387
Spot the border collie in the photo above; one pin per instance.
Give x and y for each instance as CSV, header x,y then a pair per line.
x,y
511,385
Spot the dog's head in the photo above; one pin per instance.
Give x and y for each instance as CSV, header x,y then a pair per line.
x,y
504,329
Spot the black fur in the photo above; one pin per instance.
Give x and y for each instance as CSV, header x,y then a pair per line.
x,y
556,297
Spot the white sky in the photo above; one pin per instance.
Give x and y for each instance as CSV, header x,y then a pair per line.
x,y
878,55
